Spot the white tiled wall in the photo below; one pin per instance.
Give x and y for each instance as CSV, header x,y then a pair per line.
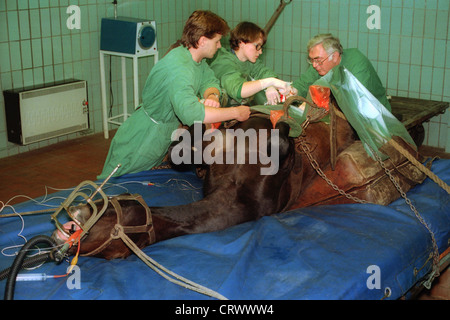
x,y
411,51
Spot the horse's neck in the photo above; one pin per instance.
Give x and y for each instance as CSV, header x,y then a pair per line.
x,y
317,140
345,134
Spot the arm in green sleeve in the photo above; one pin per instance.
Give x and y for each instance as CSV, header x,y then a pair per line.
x,y
361,67
184,100
260,71
232,82
306,79
209,80
228,73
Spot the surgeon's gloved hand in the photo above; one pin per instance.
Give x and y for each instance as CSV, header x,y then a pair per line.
x,y
272,95
274,82
294,91
290,91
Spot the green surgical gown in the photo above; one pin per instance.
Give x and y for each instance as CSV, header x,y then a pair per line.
x,y
358,64
233,73
170,96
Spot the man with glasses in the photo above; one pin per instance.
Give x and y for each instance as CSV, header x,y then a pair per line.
x,y
326,52
244,78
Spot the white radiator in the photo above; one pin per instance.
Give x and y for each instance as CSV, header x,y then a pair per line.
x,y
38,114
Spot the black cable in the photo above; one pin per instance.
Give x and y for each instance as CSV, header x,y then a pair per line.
x,y
18,262
28,263
111,95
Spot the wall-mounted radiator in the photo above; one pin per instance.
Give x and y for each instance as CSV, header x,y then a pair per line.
x,y
45,112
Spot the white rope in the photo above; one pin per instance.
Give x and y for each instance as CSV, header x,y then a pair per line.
x,y
161,270
164,272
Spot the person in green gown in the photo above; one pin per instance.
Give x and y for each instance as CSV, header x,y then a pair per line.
x,y
243,76
180,89
325,52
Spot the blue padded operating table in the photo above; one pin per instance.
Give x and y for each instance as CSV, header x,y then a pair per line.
x,y
353,251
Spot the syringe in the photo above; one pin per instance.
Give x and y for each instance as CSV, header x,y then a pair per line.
x,y
32,277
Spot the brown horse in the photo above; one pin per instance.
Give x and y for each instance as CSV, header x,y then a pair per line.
x,y
233,193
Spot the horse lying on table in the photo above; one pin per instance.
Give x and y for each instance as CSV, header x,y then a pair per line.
x,y
234,193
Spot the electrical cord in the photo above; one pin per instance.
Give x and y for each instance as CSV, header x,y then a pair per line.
x,y
27,263
19,260
111,94
180,184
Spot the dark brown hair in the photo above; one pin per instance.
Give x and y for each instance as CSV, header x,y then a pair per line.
x,y
202,23
246,32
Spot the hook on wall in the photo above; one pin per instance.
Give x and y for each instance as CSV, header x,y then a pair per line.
x,y
275,15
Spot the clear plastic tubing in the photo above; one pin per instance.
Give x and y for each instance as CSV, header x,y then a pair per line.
x,y
32,277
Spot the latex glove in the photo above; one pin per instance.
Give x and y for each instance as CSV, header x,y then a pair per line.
x,y
272,95
289,91
274,82
294,92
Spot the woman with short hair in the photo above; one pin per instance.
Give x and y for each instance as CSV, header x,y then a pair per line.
x,y
242,75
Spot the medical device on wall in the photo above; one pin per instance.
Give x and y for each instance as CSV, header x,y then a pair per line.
x,y
128,35
47,111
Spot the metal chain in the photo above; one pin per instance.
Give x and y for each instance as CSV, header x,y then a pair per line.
x,y
319,171
435,253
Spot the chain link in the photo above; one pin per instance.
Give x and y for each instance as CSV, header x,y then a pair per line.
x,y
418,216
319,171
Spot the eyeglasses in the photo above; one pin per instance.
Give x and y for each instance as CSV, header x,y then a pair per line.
x,y
318,61
258,46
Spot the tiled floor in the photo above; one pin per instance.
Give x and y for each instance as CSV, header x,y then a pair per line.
x,y
61,165
66,164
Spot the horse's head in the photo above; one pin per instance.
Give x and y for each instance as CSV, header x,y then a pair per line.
x,y
80,214
98,241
